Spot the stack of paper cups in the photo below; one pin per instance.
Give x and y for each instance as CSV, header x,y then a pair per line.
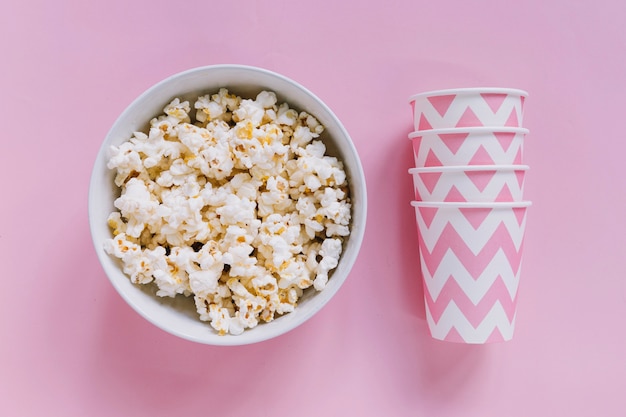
x,y
471,216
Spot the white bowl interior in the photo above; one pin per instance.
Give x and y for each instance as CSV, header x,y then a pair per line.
x,y
177,315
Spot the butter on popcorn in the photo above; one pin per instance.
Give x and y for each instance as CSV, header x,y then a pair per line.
x,y
233,201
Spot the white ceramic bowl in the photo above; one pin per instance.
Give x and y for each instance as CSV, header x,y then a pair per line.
x,y
177,315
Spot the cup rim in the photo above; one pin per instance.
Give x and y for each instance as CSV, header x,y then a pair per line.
x,y
471,204
471,129
459,168
470,90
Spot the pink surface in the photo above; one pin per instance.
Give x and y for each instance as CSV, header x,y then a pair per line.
x,y
72,347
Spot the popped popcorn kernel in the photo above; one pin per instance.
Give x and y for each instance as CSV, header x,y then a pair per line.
x,y
233,201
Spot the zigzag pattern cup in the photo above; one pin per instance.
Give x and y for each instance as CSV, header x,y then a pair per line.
x,y
471,255
468,186
478,183
465,107
468,146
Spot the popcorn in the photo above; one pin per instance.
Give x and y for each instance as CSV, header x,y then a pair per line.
x,y
330,252
126,160
137,205
232,201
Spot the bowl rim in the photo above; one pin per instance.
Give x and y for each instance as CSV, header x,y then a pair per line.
x,y
357,230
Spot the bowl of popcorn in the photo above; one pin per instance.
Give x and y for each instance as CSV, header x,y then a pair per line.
x,y
227,204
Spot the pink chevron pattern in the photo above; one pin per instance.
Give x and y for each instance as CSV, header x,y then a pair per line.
x,y
471,258
453,326
478,183
468,107
474,313
476,263
469,146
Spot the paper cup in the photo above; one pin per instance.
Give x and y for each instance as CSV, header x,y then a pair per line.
x,y
470,183
471,256
468,146
467,107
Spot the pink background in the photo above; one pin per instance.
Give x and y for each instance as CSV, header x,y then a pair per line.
x,y
71,347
